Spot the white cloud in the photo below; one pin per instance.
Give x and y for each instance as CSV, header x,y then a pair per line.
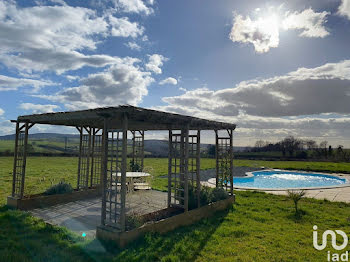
x,y
51,38
72,78
124,28
122,83
168,81
155,62
58,61
11,83
133,6
37,108
263,32
324,89
344,8
310,22
133,46
7,127
1,111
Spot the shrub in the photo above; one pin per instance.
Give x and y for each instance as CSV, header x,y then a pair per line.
x,y
217,194
296,195
134,167
133,221
207,195
60,188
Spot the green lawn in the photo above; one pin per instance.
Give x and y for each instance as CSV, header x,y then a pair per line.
x,y
42,172
259,227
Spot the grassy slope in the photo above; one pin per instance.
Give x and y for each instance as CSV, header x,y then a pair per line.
x,y
259,227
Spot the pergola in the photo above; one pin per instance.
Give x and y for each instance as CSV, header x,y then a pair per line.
x,y
103,153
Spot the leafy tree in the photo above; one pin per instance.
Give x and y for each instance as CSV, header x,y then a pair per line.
x,y
211,151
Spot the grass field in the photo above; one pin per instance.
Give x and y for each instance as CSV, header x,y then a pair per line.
x,y
42,172
259,227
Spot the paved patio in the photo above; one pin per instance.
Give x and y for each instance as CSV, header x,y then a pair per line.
x,y
84,216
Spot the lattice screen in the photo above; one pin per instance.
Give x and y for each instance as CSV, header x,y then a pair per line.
x,y
19,161
96,158
138,151
178,169
84,160
224,162
194,163
113,183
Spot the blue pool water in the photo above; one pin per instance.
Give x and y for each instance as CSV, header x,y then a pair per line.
x,y
287,179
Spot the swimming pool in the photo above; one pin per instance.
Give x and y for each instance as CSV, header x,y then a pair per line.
x,y
278,179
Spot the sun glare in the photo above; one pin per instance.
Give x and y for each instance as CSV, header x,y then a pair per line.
x,y
269,25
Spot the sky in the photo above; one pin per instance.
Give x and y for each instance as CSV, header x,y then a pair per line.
x,y
275,68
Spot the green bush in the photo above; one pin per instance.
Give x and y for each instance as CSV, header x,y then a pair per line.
x,y
134,167
60,188
207,195
218,194
133,221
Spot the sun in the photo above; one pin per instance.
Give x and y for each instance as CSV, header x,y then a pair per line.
x,y
269,25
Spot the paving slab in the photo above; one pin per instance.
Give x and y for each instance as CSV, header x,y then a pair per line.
x,y
84,216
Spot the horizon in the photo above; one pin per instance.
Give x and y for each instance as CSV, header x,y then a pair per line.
x,y
275,68
158,138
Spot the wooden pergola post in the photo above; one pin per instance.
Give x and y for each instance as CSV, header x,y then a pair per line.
x,y
25,149
123,171
20,159
92,155
81,130
231,161
217,156
86,186
185,165
103,178
14,174
170,152
142,149
198,167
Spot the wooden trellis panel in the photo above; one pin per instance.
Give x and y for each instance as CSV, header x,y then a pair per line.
x,y
178,169
114,175
194,163
96,158
224,161
137,150
84,159
20,160
113,183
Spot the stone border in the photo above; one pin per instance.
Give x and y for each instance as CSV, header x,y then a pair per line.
x,y
250,174
41,201
122,239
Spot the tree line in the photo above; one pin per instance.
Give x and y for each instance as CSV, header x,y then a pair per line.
x,y
300,148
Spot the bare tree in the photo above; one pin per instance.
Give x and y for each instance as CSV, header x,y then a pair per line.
x,y
311,144
291,144
259,144
323,146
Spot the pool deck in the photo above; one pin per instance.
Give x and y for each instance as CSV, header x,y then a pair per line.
x,y
339,194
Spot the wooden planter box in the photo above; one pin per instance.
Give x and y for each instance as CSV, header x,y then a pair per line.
x,y
41,201
164,225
